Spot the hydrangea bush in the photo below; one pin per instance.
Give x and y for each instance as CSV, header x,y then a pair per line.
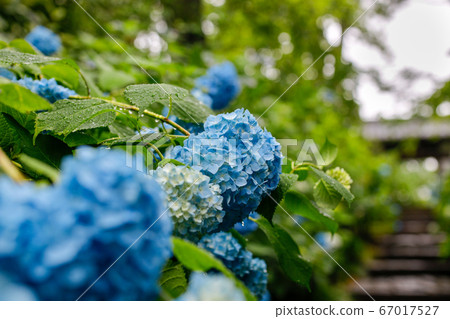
x,y
132,216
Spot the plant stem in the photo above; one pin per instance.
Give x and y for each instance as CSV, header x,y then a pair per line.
x,y
303,166
9,168
136,109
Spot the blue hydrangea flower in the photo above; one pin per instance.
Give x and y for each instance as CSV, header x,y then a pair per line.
x,y
45,40
247,226
202,97
239,156
256,279
252,271
220,83
7,74
11,291
190,127
60,239
194,203
211,287
48,89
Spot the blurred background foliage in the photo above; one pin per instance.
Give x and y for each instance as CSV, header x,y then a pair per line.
x,y
271,44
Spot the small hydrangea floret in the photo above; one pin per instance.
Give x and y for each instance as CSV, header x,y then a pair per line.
x,y
47,89
45,40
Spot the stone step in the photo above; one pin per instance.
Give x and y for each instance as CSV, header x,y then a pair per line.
x,y
417,287
414,226
380,267
417,252
411,240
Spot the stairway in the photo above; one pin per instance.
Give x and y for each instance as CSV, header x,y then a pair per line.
x,y
407,266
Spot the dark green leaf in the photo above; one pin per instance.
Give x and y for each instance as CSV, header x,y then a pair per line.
x,y
329,152
299,204
241,239
73,115
26,120
295,267
333,184
173,279
184,105
269,203
21,99
16,140
14,57
197,259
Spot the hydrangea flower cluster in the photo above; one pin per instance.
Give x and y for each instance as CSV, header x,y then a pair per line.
x,y
48,89
211,287
194,203
239,156
60,239
220,83
252,271
247,226
341,176
45,40
7,74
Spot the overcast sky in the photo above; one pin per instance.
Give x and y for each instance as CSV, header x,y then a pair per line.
x,y
417,37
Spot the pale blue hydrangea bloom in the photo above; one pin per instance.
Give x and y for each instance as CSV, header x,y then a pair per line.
x,y
252,271
239,156
60,239
194,203
47,89
220,83
45,40
202,97
7,74
211,287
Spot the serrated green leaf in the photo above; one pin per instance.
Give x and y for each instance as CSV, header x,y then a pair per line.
x,y
288,254
8,57
329,152
325,195
269,204
173,279
26,120
21,99
197,259
334,184
62,73
69,116
299,204
184,105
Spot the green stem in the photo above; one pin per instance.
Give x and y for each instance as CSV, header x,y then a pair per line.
x,y
303,166
9,168
134,108
156,150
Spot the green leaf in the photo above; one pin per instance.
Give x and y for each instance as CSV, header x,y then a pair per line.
x,y
329,152
325,195
197,259
269,203
39,167
22,46
331,184
15,139
241,239
288,254
62,73
74,115
184,105
14,57
21,99
27,120
173,279
111,79
299,204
